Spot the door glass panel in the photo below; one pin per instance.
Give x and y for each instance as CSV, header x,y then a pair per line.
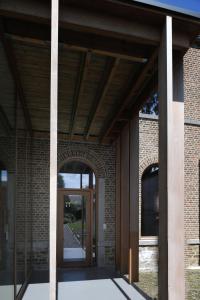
x,y
69,181
85,181
74,227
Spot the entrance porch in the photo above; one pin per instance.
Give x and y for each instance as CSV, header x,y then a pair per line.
x,y
69,150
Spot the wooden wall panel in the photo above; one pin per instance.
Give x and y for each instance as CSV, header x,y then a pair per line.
x,y
124,230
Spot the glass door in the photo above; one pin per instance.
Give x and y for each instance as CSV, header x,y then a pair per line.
x,y
74,228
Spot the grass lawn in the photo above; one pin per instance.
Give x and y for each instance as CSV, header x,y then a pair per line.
x,y
76,226
149,284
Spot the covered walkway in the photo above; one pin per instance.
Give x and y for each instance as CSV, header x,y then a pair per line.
x,y
75,75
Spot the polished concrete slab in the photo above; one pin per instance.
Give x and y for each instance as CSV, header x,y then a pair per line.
x,y
7,291
83,284
39,291
101,289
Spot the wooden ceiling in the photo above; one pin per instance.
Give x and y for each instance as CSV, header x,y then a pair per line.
x,y
106,69
92,87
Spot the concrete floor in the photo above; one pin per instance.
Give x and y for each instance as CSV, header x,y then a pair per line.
x,y
101,289
83,284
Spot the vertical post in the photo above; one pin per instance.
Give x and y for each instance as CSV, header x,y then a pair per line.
x,y
134,200
118,204
53,148
171,172
125,194
101,222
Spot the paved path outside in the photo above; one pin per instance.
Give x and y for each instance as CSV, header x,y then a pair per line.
x,y
70,241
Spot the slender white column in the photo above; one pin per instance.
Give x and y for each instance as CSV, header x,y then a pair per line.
x,y
171,171
53,148
134,200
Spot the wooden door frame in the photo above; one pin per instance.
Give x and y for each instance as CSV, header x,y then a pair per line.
x,y
88,261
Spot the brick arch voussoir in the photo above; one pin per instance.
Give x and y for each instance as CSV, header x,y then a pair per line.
x,y
146,162
88,157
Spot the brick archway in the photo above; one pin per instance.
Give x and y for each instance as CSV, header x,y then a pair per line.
x,y
88,157
146,162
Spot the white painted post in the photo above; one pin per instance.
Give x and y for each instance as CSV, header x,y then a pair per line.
x,y
53,149
171,171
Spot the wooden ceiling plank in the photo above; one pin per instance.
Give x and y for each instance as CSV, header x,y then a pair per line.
x,y
10,54
132,93
101,92
84,64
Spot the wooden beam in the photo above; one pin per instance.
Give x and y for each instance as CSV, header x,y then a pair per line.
x,y
133,92
74,40
171,171
106,47
149,90
134,200
12,62
77,137
84,64
53,150
5,122
86,20
101,92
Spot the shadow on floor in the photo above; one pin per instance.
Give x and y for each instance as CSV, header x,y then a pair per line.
x,y
86,279
75,274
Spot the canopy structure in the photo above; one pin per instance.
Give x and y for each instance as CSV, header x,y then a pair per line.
x,y
98,62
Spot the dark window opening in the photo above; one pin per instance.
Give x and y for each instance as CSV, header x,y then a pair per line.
x,y
151,105
150,202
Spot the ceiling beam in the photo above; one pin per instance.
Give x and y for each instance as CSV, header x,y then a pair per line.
x,y
132,94
113,49
39,34
66,137
101,92
84,64
5,122
10,54
91,21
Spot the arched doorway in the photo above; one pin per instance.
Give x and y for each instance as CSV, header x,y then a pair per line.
x,y
150,202
76,215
